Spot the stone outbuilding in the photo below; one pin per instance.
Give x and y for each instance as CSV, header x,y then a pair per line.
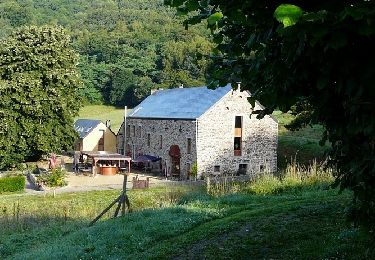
x,y
94,135
212,128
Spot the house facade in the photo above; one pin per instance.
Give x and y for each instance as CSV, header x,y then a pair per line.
x,y
212,128
94,135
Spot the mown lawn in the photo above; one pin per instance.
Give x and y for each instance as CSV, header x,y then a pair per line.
x,y
183,223
103,112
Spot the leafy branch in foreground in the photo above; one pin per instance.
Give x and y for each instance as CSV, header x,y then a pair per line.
x,y
320,52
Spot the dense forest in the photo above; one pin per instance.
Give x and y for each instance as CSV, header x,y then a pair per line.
x,y
126,47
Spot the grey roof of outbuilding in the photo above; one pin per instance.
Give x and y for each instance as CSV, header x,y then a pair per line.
x,y
85,126
179,103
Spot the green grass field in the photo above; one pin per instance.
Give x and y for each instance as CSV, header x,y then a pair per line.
x,y
102,112
302,220
302,145
296,217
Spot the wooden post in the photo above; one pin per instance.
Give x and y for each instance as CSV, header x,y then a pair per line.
x,y
124,139
122,201
124,196
208,184
105,210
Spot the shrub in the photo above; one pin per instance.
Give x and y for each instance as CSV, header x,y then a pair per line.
x,y
55,178
12,184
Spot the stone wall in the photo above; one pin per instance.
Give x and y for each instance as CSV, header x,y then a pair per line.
x,y
215,138
173,132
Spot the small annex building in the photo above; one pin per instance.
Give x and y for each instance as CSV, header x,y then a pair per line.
x,y
94,135
212,128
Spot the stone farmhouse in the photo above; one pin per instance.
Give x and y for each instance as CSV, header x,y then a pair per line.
x,y
212,128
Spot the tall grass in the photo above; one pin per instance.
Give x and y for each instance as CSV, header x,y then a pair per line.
x,y
293,179
75,210
226,184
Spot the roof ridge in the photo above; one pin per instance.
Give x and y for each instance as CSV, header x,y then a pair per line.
x,y
176,103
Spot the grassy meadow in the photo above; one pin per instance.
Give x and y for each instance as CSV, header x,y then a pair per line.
x,y
296,216
103,113
301,146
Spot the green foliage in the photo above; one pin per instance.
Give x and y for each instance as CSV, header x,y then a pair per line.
x,y
288,14
12,184
323,56
39,86
185,62
127,47
55,178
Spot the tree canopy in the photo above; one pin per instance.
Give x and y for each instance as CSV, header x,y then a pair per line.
x,y
317,56
39,93
126,47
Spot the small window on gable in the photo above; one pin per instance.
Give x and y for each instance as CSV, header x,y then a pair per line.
x,y
261,168
237,141
217,168
189,146
238,122
161,142
148,140
133,130
139,131
237,146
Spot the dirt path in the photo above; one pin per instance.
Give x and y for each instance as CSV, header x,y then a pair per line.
x,y
79,183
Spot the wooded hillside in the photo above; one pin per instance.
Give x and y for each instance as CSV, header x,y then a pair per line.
x,y
126,47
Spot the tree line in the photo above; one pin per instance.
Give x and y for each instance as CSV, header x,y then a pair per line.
x,y
126,47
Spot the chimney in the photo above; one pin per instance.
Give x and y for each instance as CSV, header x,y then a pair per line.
x,y
153,91
108,123
239,86
181,86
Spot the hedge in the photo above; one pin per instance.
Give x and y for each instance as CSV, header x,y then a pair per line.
x,y
12,184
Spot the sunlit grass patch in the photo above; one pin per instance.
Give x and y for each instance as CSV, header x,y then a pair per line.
x,y
103,113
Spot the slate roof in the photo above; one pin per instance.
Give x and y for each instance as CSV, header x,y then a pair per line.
x,y
85,126
179,103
